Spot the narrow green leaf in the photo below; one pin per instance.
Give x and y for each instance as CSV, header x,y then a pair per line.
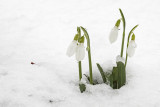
x,y
111,80
115,77
87,77
101,72
115,74
121,74
82,87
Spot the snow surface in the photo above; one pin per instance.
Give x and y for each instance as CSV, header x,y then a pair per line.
x,y
39,31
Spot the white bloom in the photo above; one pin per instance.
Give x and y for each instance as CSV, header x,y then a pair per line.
x,y
131,48
80,52
113,34
72,48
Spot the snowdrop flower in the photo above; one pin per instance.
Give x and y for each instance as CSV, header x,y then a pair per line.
x,y
80,51
131,48
114,32
73,46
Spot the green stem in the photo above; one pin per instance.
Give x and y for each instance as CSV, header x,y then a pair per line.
x,y
90,65
124,25
129,35
79,63
89,54
80,70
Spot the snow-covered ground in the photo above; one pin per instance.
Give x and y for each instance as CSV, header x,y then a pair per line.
x,y
40,31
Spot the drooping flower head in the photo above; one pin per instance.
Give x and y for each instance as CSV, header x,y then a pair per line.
x,y
131,47
114,32
80,51
72,47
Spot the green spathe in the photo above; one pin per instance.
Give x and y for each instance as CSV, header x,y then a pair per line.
x,y
76,37
118,22
133,37
81,40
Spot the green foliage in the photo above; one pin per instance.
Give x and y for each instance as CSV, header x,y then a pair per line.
x,y
105,75
87,77
101,72
82,87
118,76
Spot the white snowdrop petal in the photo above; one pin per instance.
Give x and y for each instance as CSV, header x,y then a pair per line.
x,y
80,52
72,48
131,48
113,34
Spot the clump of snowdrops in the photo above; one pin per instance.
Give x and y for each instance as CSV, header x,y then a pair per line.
x,y
117,78
77,47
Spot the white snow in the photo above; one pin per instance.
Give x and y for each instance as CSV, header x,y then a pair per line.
x,y
120,59
40,31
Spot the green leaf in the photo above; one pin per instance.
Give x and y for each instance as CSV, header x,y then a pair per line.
x,y
115,77
115,74
87,77
101,72
121,74
82,87
111,80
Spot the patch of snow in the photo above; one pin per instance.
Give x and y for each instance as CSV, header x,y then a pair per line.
x,y
120,59
39,31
